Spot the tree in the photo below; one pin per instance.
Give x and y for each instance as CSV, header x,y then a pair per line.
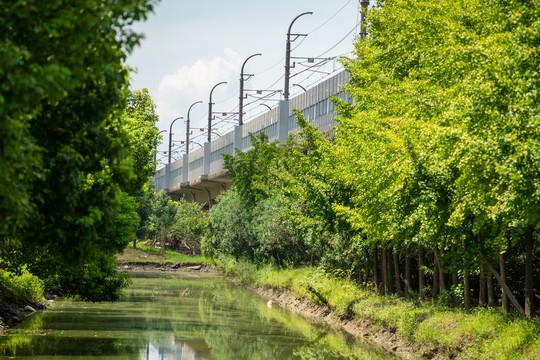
x,y
139,121
163,216
189,226
441,144
65,151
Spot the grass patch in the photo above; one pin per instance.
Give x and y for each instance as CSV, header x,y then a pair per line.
x,y
479,334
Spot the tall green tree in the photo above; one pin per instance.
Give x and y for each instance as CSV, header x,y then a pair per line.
x,y
140,121
441,142
65,152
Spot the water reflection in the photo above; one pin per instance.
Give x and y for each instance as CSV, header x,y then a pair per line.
x,y
178,316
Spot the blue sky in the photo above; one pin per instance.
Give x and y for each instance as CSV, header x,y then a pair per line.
x,y
190,46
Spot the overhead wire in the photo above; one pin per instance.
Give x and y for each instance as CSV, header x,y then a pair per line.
x,y
331,17
317,66
304,37
340,41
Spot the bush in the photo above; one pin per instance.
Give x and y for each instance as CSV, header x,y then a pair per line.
x,y
20,288
229,230
190,225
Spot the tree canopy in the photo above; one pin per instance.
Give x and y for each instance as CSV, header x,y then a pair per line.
x,y
436,161
70,150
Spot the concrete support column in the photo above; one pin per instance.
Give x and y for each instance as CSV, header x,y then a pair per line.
x,y
207,154
167,176
238,137
283,124
185,168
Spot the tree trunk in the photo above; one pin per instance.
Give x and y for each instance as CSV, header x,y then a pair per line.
x,y
442,278
421,275
389,271
490,293
408,277
482,286
529,281
384,271
436,286
502,268
511,296
455,280
376,269
135,243
466,283
399,290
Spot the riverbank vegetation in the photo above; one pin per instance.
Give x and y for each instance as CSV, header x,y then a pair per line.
x,y
17,292
426,191
77,147
433,329
419,212
429,186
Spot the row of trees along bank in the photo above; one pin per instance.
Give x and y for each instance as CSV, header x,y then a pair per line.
x,y
430,186
77,145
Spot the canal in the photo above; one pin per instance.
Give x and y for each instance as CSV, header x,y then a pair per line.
x,y
178,316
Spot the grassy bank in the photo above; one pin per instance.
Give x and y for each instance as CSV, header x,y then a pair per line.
x,y
479,334
16,292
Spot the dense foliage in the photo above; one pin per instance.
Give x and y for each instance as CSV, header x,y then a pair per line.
x,y
76,145
430,186
178,225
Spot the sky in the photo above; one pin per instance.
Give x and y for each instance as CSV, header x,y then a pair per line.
x,y
190,46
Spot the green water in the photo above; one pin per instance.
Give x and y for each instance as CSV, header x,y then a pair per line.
x,y
178,316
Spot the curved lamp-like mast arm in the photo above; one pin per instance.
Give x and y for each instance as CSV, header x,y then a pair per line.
x,y
241,98
296,18
210,111
170,136
288,56
188,124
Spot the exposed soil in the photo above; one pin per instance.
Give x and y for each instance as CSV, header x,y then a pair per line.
x,y
134,255
175,267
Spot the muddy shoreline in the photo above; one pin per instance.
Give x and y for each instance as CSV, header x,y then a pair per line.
x,y
173,267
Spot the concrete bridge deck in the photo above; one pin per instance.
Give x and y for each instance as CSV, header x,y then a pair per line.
x,y
199,176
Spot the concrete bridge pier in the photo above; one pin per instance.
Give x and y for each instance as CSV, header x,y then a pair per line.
x,y
283,124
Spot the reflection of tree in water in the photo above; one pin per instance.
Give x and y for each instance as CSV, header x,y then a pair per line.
x,y
43,335
180,318
244,327
241,327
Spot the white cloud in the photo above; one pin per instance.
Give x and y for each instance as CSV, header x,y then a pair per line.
x,y
191,83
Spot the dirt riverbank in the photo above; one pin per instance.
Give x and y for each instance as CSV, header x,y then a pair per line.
x,y
179,267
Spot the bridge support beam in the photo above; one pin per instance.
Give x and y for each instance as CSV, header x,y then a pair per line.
x,y
238,137
283,124
185,168
207,155
167,176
